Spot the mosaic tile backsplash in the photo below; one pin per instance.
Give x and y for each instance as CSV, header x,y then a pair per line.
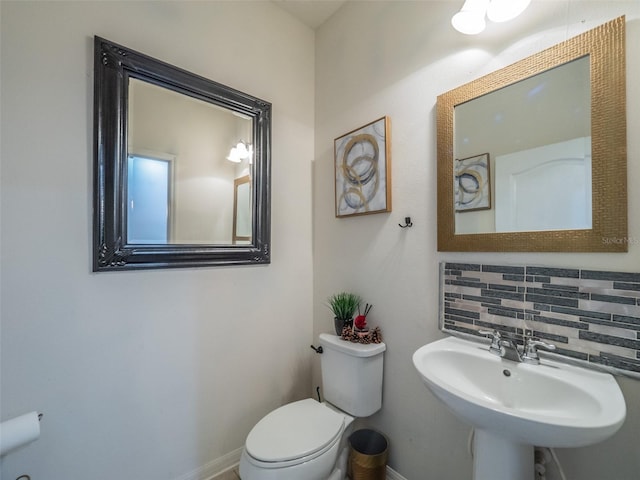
x,y
589,315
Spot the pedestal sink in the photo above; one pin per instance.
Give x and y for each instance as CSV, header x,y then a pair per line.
x,y
514,406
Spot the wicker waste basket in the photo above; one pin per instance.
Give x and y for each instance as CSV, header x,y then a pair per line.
x,y
368,454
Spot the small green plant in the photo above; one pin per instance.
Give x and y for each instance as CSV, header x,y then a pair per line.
x,y
344,305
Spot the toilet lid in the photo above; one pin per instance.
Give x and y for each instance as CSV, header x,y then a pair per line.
x,y
294,430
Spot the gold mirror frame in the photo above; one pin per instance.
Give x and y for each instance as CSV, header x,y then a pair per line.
x,y
605,46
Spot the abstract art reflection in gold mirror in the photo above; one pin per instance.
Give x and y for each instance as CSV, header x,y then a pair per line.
x,y
554,129
472,185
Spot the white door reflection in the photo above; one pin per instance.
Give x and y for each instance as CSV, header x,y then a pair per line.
x,y
545,188
148,197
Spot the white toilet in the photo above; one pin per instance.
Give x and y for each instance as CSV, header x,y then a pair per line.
x,y
307,440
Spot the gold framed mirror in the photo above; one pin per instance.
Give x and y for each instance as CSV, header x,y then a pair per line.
x,y
599,52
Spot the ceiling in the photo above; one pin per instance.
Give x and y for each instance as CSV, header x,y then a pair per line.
x,y
312,13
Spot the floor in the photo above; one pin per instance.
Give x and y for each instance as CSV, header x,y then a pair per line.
x,y
229,475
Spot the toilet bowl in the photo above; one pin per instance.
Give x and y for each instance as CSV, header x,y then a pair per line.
x,y
306,439
300,440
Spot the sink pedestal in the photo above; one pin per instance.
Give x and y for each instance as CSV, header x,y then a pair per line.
x,y
497,458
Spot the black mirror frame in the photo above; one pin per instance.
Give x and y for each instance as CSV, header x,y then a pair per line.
x,y
113,66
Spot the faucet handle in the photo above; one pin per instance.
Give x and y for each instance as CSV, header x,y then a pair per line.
x,y
490,333
496,341
531,346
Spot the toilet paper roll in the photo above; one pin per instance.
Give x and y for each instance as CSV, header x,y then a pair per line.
x,y
19,431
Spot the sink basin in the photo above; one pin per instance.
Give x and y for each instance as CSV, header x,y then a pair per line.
x,y
517,405
551,404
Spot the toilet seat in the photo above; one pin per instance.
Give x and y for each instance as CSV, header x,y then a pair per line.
x,y
295,433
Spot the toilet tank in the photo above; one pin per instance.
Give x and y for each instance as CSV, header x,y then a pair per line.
x,y
352,374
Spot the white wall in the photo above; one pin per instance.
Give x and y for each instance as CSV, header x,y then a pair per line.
x,y
146,375
394,58
157,374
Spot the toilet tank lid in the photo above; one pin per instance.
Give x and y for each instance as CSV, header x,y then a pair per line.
x,y
355,349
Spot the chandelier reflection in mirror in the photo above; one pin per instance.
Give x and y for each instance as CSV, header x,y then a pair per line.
x,y
242,151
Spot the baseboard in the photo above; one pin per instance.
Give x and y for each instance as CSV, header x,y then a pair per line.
x,y
393,475
218,466
215,467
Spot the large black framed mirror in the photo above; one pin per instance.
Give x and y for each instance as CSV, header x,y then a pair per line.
x,y
169,147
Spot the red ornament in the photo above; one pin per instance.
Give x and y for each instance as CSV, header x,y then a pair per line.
x,y
360,322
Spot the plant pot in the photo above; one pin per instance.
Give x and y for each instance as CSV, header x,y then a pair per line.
x,y
340,323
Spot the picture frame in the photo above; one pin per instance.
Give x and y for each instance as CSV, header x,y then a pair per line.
x,y
472,183
362,161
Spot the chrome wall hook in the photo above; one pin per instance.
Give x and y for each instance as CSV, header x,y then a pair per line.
x,y
407,223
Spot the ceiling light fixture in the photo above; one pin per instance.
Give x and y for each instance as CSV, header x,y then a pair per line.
x,y
470,20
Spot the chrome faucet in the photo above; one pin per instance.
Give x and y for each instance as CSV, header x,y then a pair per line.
x,y
507,348
496,339
510,350
504,348
531,346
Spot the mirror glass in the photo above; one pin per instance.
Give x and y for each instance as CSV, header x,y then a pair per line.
x,y
180,183
523,154
182,167
532,157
